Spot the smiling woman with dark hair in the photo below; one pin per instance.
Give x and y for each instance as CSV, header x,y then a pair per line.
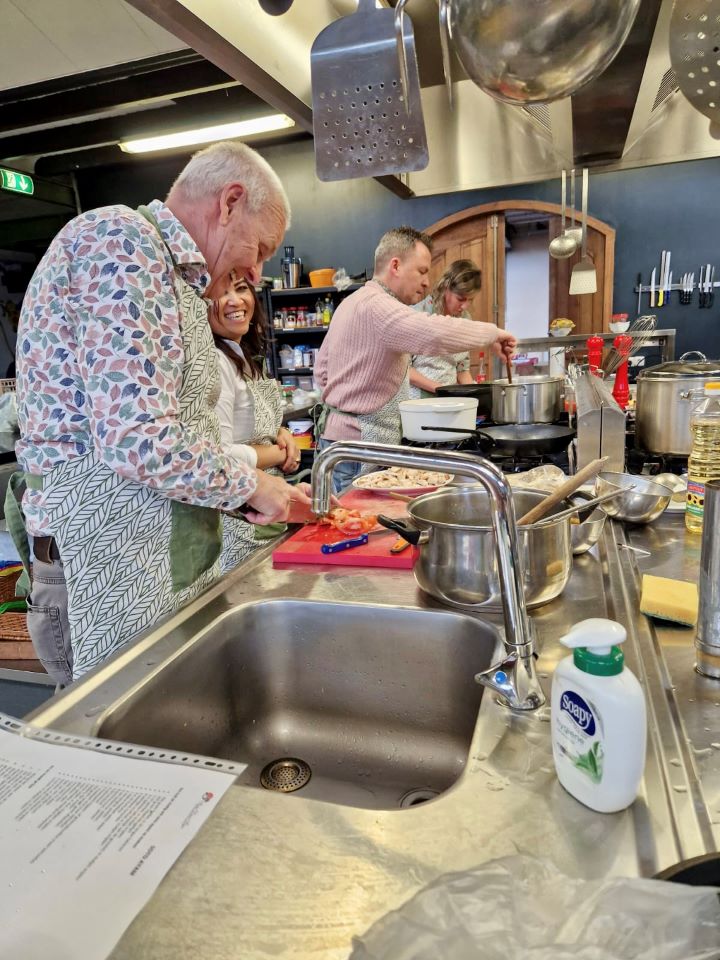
x,y
250,405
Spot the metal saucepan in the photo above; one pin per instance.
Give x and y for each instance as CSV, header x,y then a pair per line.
x,y
457,562
527,400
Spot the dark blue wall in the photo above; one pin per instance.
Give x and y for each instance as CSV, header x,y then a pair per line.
x,y
675,206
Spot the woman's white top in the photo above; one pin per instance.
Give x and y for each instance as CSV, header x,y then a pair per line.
x,y
235,408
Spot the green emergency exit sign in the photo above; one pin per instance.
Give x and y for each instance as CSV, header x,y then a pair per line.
x,y
17,182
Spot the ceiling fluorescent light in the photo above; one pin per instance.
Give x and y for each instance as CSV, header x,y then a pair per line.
x,y
221,131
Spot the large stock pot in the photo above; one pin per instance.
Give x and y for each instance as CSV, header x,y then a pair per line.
x,y
665,398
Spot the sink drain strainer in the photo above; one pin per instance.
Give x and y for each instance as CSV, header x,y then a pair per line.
x,y
286,775
415,797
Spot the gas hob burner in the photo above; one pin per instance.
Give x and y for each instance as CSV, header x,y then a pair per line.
x,y
651,464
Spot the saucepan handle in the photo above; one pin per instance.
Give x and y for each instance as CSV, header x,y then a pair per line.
x,y
406,530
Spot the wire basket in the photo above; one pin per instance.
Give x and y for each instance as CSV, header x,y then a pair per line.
x,y
13,626
8,581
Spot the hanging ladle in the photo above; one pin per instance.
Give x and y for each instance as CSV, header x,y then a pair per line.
x,y
563,246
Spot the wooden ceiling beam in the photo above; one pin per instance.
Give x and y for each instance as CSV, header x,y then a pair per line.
x,y
81,97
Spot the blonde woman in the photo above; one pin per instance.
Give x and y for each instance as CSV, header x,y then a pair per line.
x,y
450,297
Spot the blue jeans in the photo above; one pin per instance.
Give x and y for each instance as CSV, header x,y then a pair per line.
x,y
344,473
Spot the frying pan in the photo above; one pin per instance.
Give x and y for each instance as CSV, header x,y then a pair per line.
x,y
523,439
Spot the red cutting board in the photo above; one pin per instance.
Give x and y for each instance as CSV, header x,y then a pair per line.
x,y
304,545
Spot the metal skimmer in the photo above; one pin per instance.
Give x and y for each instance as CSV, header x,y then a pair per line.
x,y
363,123
695,53
285,775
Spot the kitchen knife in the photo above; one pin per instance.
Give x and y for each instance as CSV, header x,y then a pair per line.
x,y
639,283
350,542
344,544
668,278
701,288
661,281
652,288
707,285
711,287
668,288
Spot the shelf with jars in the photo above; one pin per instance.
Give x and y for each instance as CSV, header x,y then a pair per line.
x,y
299,310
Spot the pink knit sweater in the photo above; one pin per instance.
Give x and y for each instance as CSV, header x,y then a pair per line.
x,y
364,356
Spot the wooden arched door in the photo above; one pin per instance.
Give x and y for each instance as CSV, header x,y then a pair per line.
x,y
478,234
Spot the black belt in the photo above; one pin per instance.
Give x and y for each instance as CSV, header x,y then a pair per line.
x,y
45,549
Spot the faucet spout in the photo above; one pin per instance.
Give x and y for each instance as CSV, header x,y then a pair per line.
x,y
515,679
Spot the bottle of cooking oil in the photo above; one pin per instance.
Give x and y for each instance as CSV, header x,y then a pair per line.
x,y
704,462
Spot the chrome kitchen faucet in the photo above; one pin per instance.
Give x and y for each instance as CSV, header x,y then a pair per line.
x,y
515,678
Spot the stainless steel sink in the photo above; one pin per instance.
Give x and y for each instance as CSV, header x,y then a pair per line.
x,y
379,702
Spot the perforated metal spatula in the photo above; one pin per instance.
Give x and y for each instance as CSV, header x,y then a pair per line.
x,y
364,123
694,53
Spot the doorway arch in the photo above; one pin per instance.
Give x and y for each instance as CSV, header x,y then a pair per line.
x,y
478,233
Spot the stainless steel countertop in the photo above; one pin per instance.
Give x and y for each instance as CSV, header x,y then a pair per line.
x,y
284,876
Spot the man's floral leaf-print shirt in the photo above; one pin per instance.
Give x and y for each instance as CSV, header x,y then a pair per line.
x,y
100,360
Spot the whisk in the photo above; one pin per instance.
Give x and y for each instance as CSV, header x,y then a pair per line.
x,y
639,335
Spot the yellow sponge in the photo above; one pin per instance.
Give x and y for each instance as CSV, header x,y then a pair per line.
x,y
667,599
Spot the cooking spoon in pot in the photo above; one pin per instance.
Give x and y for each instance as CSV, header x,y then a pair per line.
x,y
586,507
562,492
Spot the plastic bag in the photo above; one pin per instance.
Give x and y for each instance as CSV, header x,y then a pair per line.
x,y
521,908
546,478
8,413
341,280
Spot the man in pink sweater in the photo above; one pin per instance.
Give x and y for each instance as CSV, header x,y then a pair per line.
x,y
363,363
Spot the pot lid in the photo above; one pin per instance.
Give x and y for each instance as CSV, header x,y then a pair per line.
x,y
683,368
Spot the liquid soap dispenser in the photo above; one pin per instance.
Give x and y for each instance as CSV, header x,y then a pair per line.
x,y
599,725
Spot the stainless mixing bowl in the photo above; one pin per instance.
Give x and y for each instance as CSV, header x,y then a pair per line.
x,y
643,504
586,534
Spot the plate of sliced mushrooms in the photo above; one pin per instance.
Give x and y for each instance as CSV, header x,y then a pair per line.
x,y
401,480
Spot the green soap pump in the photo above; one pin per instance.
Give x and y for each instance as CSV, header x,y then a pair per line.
x,y
599,725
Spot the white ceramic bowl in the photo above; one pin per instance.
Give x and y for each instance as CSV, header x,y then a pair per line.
x,y
620,326
560,331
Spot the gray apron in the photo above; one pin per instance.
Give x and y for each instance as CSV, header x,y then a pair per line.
x,y
240,538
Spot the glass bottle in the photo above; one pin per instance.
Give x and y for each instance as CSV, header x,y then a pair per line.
x,y
704,461
327,311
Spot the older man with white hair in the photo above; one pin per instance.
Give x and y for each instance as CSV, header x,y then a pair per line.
x,y
117,378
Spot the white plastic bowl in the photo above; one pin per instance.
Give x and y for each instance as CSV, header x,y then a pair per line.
x,y
560,331
620,326
437,412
